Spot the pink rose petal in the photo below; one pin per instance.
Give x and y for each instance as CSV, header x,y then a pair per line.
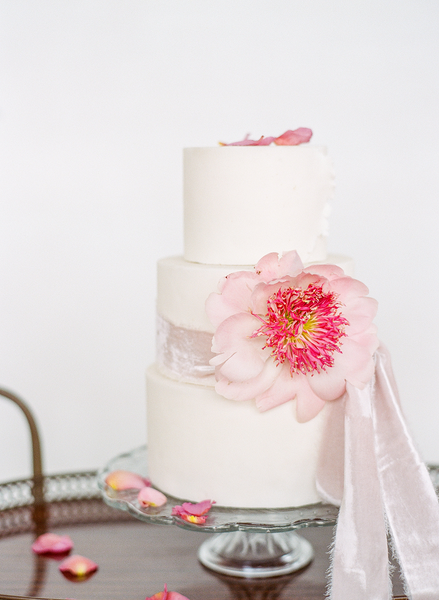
x,y
165,595
50,543
78,566
262,141
126,480
294,138
193,513
148,496
198,509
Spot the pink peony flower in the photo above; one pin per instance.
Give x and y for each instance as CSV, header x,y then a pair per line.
x,y
284,332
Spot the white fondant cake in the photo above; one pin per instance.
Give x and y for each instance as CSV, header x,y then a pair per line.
x,y
239,204
242,203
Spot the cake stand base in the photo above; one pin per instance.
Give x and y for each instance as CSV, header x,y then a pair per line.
x,y
255,555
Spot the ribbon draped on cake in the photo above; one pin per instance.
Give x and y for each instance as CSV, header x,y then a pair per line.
x,y
369,466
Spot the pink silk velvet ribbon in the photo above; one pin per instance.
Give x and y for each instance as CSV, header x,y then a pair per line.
x,y
370,467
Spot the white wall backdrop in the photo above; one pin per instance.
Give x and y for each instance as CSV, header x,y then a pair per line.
x,y
97,99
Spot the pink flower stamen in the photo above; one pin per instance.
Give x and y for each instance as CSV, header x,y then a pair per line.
x,y
303,326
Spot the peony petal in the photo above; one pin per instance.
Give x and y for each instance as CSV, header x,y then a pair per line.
x,y
50,543
126,480
355,362
233,342
148,496
290,264
272,266
294,138
284,388
262,293
360,313
308,404
328,385
329,272
235,296
304,279
78,566
247,390
348,288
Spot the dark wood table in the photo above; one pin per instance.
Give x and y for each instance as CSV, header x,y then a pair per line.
x,y
135,559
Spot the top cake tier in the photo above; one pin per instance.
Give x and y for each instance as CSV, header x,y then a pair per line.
x,y
241,203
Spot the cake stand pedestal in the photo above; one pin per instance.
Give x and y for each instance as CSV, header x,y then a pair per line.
x,y
247,543
255,555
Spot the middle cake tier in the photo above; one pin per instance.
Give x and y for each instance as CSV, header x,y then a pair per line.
x,y
184,333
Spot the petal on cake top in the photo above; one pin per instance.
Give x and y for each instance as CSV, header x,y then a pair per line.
x,y
126,480
294,138
50,543
289,138
314,329
262,141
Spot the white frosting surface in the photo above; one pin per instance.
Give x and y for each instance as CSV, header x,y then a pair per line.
x,y
203,446
241,203
183,288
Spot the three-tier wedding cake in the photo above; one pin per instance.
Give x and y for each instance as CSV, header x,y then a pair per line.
x,y
240,203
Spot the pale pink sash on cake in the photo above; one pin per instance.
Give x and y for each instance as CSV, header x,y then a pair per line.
x,y
371,468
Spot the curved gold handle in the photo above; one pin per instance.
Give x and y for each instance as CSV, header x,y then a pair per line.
x,y
37,488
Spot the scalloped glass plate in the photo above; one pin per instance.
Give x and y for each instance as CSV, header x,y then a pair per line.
x,y
220,519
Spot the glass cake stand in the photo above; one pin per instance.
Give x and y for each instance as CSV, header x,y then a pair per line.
x,y
251,543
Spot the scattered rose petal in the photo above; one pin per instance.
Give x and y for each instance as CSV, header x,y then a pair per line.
x,y
78,566
125,480
148,496
165,595
198,509
262,141
193,513
50,543
294,138
289,138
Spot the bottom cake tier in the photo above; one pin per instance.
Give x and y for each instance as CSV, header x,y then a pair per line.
x,y
203,446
